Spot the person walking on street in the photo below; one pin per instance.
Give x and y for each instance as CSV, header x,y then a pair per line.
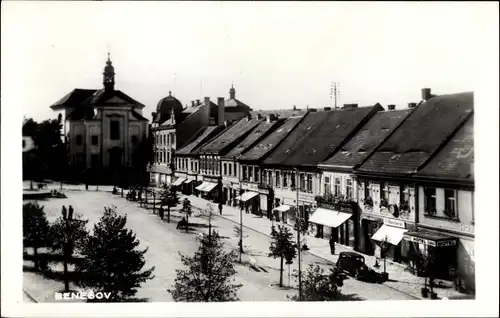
x,y
332,245
220,208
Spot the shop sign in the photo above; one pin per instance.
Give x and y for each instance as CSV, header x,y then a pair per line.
x,y
369,217
306,197
419,240
395,223
467,228
447,243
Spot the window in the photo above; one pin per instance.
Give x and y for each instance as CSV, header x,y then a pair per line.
x,y
285,179
309,182
349,189
196,166
270,177
94,161
134,139
327,186
95,140
79,140
256,174
302,182
337,187
114,130
164,139
450,202
168,157
430,200
383,191
192,166
225,168
235,170
277,178
264,177
250,173
244,168
230,167
292,180
472,201
368,189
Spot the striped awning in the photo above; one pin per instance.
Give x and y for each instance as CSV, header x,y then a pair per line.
x,y
209,186
201,186
178,182
283,208
328,217
247,196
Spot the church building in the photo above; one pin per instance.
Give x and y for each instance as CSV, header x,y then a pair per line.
x,y
103,129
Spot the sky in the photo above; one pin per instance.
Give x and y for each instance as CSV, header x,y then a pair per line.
x,y
277,54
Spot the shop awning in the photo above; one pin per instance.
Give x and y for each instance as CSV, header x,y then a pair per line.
x,y
283,208
209,186
178,182
328,217
247,196
394,234
201,186
430,239
188,181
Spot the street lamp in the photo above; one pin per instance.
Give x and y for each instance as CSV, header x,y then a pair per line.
x,y
299,219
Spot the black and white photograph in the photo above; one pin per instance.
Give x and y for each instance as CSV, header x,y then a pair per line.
x,y
269,158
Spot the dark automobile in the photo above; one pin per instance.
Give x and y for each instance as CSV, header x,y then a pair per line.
x,y
354,265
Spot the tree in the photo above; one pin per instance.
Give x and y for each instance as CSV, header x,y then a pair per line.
x,y
68,233
302,226
112,262
208,214
282,246
35,230
317,286
188,210
239,234
208,276
169,197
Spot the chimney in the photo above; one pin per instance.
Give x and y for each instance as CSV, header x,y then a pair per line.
x,y
350,106
192,103
220,110
294,107
391,107
327,109
412,105
426,93
207,111
268,119
197,102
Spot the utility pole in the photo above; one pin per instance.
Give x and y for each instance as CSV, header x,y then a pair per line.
x,y
241,216
334,93
299,219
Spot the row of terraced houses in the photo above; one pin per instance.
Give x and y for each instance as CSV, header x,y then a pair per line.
x,y
358,174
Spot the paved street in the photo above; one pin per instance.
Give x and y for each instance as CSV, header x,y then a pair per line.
x,y
164,243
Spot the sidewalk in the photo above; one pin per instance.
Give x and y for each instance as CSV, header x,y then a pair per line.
x,y
399,279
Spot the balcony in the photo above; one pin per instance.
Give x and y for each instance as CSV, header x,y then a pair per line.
x,y
337,203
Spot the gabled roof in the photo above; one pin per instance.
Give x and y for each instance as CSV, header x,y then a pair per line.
x,y
233,102
138,116
366,139
223,142
318,135
91,97
420,135
258,133
456,159
199,138
266,145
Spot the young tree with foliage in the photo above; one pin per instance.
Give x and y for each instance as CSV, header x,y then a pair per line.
x,y
208,214
208,275
318,286
68,233
35,230
384,249
112,263
169,197
187,209
282,246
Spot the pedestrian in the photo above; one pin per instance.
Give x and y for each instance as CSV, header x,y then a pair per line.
x,y
332,245
220,208
86,187
161,212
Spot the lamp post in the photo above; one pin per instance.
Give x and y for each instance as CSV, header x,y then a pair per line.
x,y
299,219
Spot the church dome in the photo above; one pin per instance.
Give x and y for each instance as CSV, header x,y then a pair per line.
x,y
166,105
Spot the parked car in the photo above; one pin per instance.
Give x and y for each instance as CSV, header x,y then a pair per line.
x,y
354,265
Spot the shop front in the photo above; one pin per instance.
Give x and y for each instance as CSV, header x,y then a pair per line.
x,y
208,190
250,202
332,223
440,248
280,213
392,232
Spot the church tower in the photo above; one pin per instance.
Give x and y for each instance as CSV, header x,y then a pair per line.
x,y
108,77
232,92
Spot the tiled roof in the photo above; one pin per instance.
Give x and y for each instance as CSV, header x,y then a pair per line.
x,y
419,135
203,135
138,116
455,160
318,135
233,102
260,131
86,97
73,98
189,126
229,137
267,144
367,138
